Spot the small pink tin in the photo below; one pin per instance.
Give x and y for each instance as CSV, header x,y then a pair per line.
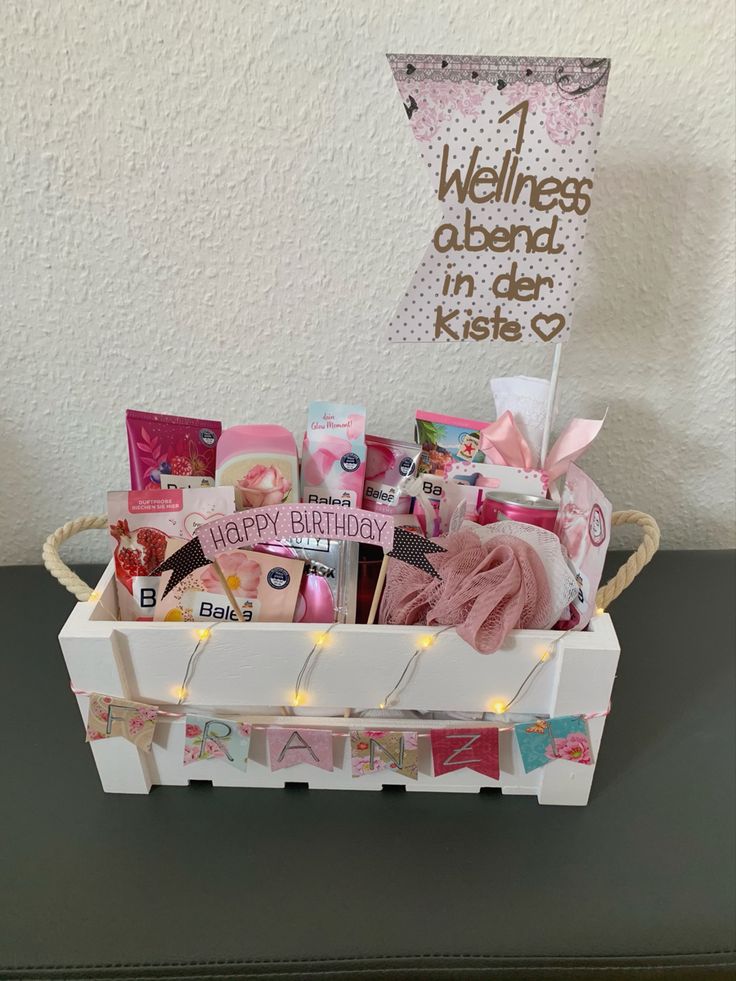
x,y
531,510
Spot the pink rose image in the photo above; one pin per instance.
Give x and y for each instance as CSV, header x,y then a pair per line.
x,y
191,754
261,487
213,750
193,730
242,575
574,747
379,461
319,462
91,734
244,728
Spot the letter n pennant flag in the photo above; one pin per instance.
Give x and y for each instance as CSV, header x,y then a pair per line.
x,y
476,749
287,747
110,716
372,750
509,145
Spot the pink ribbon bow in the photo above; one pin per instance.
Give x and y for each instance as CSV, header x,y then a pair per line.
x,y
503,444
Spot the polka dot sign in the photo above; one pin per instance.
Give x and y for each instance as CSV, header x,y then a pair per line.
x,y
509,145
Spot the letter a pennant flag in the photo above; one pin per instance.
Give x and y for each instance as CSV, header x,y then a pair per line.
x,y
287,747
509,145
476,749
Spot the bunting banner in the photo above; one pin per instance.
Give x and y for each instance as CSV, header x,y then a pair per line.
x,y
474,749
510,147
373,750
110,716
563,738
287,747
207,738
216,739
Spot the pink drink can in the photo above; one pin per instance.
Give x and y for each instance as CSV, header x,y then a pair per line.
x,y
519,507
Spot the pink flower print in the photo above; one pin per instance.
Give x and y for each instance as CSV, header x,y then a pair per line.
x,y
242,575
193,730
534,93
148,713
191,753
213,750
562,119
379,461
91,734
574,747
135,724
262,487
244,728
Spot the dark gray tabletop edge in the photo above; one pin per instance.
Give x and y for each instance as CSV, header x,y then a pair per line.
x,y
446,964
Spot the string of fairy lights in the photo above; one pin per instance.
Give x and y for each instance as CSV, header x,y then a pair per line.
x,y
497,706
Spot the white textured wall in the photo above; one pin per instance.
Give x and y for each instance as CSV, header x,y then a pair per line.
x,y
211,208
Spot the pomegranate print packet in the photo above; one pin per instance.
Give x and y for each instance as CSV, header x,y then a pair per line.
x,y
141,523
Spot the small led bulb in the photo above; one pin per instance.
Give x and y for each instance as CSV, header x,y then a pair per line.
x,y
382,705
94,596
296,699
180,692
545,656
599,611
203,633
426,641
499,707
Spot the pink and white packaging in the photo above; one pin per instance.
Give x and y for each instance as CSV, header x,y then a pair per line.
x,y
142,524
584,527
333,455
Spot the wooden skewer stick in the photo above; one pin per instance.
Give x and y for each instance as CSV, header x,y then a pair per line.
x,y
228,592
378,590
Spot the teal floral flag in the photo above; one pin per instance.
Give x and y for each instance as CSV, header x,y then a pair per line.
x,y
563,738
216,739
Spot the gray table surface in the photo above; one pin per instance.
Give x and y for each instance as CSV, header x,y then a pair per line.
x,y
211,883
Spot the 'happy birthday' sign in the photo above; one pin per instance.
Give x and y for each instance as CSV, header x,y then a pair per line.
x,y
247,528
510,145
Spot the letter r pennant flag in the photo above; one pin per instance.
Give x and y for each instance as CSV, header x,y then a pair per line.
x,y
475,749
510,147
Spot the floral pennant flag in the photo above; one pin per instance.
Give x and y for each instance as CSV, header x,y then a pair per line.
x,y
476,749
509,145
372,750
287,747
110,716
563,738
216,739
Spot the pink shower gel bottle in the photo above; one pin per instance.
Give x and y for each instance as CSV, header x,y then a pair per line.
x,y
333,455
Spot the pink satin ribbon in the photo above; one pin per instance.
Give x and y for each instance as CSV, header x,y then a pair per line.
x,y
503,444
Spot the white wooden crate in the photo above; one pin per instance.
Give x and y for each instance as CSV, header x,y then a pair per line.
x,y
256,666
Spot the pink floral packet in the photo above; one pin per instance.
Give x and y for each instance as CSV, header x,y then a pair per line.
x,y
141,523
584,527
169,452
265,586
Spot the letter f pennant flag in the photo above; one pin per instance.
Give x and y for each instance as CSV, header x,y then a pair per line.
x,y
184,560
509,145
476,749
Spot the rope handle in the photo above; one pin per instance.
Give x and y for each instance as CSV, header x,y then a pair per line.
x,y
604,597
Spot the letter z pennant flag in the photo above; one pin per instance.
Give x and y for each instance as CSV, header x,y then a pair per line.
x,y
476,749
509,145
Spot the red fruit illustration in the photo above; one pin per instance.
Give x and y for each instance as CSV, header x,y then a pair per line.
x,y
138,552
181,466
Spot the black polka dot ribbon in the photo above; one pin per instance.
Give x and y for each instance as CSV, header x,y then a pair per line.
x,y
413,549
186,559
